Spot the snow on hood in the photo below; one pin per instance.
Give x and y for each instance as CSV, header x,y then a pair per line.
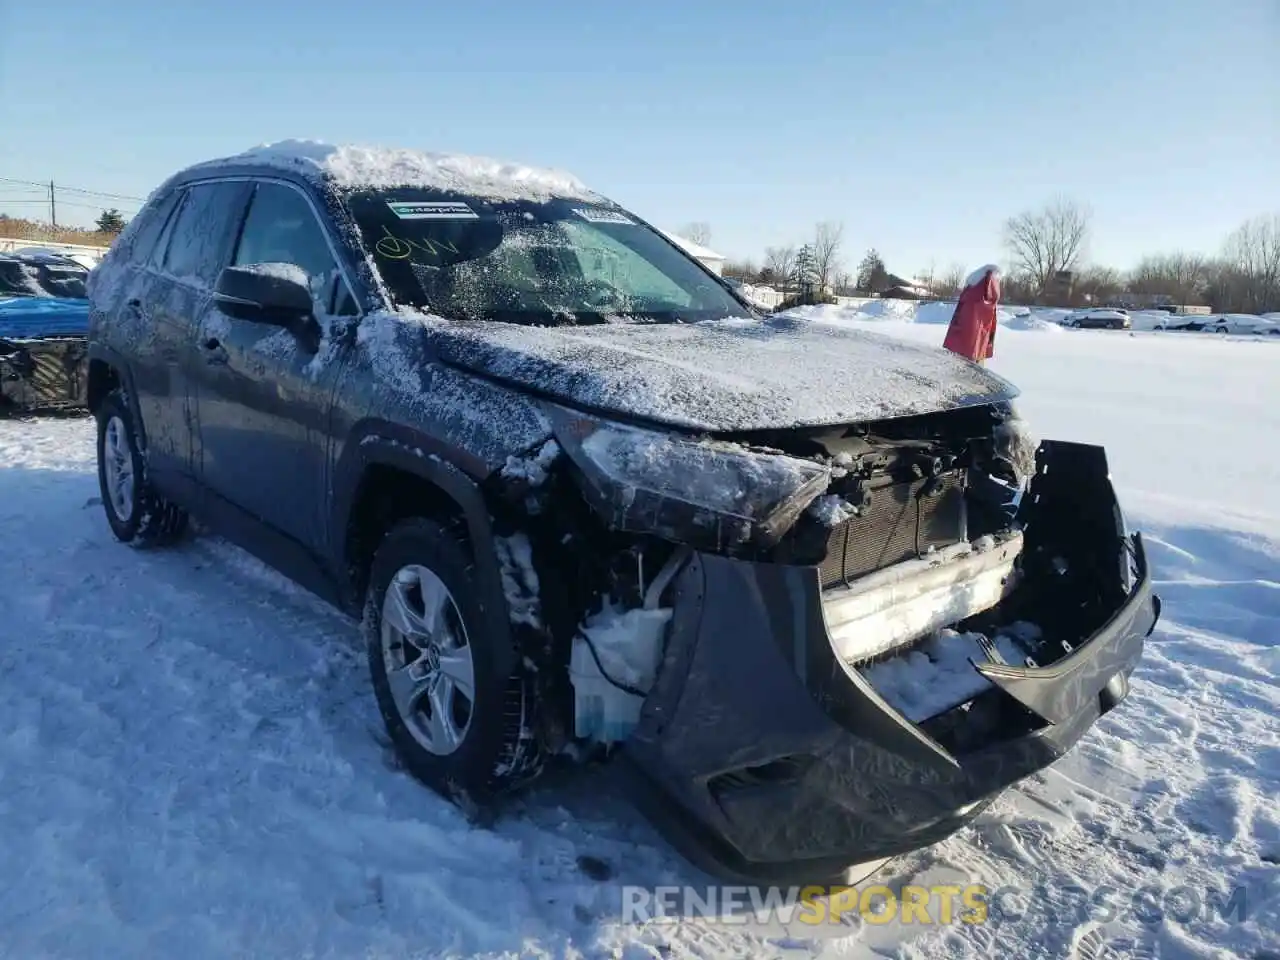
x,y
355,167
723,376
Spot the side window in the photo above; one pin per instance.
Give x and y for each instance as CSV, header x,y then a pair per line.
x,y
157,253
198,238
149,224
282,228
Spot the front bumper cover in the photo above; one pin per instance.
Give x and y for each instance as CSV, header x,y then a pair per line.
x,y
765,759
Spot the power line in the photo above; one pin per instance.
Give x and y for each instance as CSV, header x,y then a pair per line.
x,y
78,190
44,202
50,192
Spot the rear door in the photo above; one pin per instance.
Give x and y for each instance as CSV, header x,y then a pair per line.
x,y
264,394
168,305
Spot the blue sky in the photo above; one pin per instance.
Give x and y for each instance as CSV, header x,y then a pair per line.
x,y
921,124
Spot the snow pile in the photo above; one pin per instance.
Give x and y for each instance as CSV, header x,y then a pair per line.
x,y
1032,322
928,312
355,167
939,673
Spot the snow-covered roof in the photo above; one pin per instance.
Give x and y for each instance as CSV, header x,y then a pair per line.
x,y
356,166
693,249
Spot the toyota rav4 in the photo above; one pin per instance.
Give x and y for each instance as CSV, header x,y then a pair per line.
x,y
815,590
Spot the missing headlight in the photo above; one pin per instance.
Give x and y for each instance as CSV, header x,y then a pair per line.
x,y
710,494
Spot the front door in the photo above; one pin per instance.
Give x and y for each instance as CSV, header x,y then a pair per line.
x,y
264,395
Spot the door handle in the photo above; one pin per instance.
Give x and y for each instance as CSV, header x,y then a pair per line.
x,y
214,352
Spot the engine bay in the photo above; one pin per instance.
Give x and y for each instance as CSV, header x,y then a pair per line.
x,y
920,533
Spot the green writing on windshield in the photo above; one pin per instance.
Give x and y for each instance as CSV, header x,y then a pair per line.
x,y
399,248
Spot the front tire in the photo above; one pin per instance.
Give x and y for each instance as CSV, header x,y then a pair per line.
x,y
459,723
135,512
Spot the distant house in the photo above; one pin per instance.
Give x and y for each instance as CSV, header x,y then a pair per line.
x,y
901,289
710,259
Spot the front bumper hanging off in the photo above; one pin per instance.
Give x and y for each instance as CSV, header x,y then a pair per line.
x,y
765,757
43,374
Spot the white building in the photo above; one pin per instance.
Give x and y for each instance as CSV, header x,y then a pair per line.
x,y
712,260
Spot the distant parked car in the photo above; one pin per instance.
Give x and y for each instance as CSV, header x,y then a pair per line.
x,y
83,259
1242,324
44,323
1101,319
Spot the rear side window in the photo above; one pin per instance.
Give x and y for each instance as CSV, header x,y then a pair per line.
x,y
197,243
147,229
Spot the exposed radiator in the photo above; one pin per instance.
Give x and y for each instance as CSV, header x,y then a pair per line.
x,y
895,527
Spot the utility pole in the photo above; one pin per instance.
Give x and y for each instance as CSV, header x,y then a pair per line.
x,y
53,206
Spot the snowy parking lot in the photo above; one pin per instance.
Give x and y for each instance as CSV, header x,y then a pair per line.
x,y
192,764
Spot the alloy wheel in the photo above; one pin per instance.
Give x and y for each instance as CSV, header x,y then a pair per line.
x,y
117,462
428,660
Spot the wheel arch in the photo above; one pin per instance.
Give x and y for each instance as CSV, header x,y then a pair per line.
x,y
385,476
108,371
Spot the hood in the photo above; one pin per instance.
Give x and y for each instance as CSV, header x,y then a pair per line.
x,y
725,376
32,317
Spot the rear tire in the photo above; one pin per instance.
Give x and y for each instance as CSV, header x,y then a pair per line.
x,y
135,512
426,645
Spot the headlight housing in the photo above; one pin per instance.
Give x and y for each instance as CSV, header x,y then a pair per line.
x,y
707,494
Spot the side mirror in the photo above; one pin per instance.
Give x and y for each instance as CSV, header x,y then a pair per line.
x,y
271,293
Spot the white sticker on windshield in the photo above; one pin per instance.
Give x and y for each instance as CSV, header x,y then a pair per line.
x,y
438,210
596,215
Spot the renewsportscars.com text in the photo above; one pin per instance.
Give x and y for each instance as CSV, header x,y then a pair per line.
x,y
939,904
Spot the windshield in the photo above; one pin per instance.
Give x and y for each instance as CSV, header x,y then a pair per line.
x,y
36,278
538,263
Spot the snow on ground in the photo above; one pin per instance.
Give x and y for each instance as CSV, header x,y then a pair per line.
x,y
192,765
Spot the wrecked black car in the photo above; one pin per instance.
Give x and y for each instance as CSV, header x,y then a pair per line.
x,y
815,591
44,320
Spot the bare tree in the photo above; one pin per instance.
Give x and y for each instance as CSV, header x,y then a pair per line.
x,y
1044,242
1252,254
699,233
1096,285
951,282
828,239
1183,277
927,277
780,262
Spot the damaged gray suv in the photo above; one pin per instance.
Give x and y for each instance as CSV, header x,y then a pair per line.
x,y
814,591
